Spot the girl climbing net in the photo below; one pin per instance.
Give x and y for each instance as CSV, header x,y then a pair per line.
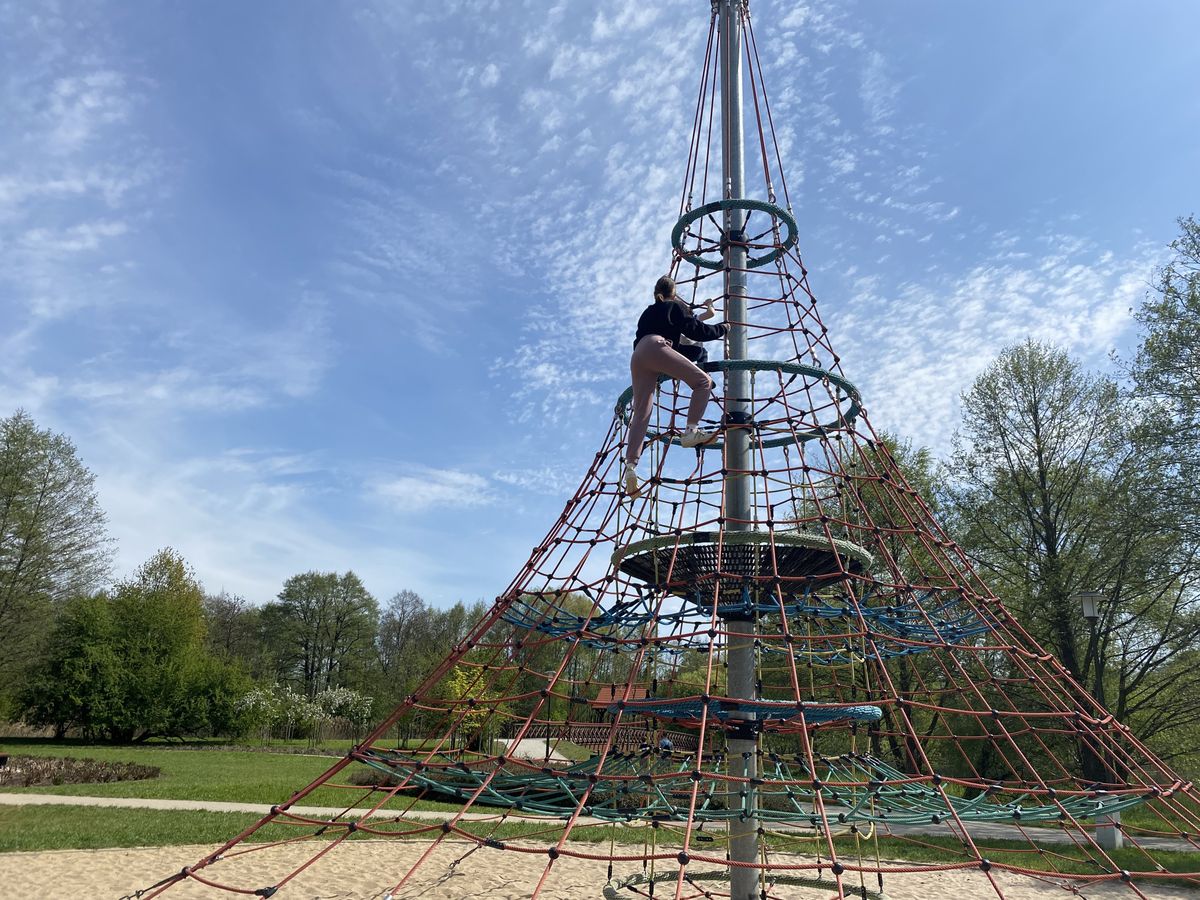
x,y
655,353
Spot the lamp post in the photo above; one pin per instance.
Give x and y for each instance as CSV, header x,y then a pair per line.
x,y
1108,827
1088,604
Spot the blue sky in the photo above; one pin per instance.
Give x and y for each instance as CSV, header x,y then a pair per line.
x,y
351,286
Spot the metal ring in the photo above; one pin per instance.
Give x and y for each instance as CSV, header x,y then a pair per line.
x,y
752,262
763,365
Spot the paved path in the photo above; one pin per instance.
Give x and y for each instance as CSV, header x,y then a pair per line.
x,y
984,830
259,809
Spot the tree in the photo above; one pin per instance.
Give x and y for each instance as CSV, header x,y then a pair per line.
x,y
76,684
132,664
1166,373
322,629
414,637
1053,494
53,544
159,633
231,628
897,489
475,724
403,624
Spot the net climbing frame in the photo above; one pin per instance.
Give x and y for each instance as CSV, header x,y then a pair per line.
x,y
772,674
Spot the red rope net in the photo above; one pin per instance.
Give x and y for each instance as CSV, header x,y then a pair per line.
x,y
904,723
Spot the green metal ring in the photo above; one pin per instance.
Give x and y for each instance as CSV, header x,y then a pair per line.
x,y
720,206
762,365
807,540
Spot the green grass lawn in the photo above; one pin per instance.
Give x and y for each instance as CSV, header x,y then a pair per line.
x,y
94,827
250,776
231,775
238,776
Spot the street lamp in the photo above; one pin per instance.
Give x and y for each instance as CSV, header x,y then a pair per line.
x,y
1089,605
1108,827
1088,601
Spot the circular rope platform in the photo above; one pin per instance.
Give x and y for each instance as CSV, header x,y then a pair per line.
x,y
676,563
690,710
845,392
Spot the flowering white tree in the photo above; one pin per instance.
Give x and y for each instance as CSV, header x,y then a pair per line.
x,y
284,713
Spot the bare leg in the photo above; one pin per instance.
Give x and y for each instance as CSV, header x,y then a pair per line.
x,y
644,380
675,365
652,357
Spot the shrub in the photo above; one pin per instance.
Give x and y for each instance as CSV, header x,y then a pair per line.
x,y
35,771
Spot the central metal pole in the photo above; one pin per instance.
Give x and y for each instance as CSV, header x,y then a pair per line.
x,y
743,743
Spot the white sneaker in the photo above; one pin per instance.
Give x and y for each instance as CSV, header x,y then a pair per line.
x,y
694,437
632,488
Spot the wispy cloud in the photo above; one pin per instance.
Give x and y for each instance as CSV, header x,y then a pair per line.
x,y
75,183
878,91
233,297
915,347
549,480
246,519
596,223
423,488
214,363
80,108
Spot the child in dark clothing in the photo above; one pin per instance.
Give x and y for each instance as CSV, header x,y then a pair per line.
x,y
694,350
655,353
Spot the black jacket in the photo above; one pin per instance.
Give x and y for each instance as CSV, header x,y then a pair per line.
x,y
671,318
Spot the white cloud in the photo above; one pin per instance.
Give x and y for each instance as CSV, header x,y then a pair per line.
x,y
214,363
47,242
914,353
528,184
80,107
602,233
630,16
549,480
246,520
423,489
877,90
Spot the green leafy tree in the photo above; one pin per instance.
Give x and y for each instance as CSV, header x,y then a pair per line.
x,y
1166,375
53,543
474,724
414,637
76,684
322,631
1054,493
405,645
231,631
131,664
209,703
896,510
159,633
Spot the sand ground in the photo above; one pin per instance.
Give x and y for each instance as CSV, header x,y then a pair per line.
x,y
369,870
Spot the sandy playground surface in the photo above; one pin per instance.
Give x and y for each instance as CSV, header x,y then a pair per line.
x,y
368,870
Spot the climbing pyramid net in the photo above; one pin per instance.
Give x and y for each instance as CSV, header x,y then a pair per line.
x,y
895,721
